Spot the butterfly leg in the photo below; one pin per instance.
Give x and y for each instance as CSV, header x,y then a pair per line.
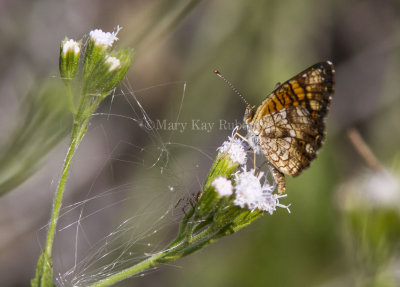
x,y
237,134
254,159
279,178
259,168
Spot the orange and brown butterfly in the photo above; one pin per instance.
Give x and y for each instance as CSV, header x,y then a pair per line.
x,y
288,128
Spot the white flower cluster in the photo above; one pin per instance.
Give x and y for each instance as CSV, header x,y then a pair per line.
x,y
223,186
104,38
381,189
234,148
113,63
253,194
71,45
250,192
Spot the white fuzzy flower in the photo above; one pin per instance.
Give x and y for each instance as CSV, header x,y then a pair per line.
x,y
71,45
252,194
382,189
223,186
113,63
234,148
104,38
248,189
270,201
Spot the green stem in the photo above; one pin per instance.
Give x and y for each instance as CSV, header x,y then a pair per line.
x,y
205,233
182,230
70,96
80,125
191,249
147,263
60,190
178,250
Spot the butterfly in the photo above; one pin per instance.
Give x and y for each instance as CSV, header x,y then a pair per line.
x,y
288,127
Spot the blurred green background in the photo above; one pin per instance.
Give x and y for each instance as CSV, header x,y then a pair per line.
x,y
255,44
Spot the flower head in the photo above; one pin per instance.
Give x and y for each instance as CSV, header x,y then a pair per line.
x,y
104,67
382,189
113,63
251,193
234,148
377,189
70,46
223,186
248,189
104,38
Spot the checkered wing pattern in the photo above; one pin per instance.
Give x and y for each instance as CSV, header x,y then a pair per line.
x,y
289,125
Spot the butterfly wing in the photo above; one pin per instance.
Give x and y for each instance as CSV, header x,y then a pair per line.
x,y
290,122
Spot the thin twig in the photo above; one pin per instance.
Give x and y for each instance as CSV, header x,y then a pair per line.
x,y
363,150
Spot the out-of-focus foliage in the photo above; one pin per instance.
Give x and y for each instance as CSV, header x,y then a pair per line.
x,y
44,120
371,221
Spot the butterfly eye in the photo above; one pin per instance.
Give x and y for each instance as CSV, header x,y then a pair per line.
x,y
249,114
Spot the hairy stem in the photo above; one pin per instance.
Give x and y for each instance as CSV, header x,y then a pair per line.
x,y
79,130
70,96
75,139
141,266
174,251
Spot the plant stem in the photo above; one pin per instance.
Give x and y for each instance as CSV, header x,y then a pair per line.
x,y
70,96
60,190
174,251
147,263
80,126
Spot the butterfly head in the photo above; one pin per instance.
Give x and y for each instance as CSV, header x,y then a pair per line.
x,y
249,114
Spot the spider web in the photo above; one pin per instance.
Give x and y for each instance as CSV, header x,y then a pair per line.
x,y
114,227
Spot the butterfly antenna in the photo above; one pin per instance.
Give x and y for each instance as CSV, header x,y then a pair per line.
x,y
231,86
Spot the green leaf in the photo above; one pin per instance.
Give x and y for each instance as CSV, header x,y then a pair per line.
x,y
44,272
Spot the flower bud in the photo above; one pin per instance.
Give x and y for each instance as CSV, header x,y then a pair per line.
x,y
107,73
103,69
69,58
99,44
